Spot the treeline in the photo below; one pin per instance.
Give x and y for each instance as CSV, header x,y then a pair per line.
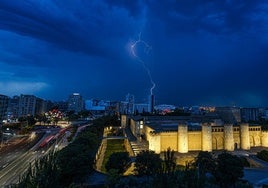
x,y
224,170
71,165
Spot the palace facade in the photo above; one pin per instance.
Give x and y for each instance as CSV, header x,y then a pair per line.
x,y
183,134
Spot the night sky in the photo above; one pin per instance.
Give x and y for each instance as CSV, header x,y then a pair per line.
x,y
197,52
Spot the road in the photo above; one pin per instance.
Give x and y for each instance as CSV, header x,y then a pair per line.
x,y
14,164
11,173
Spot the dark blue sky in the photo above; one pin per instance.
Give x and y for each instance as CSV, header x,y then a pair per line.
x,y
202,52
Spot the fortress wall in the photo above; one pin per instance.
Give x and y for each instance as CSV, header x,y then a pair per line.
x,y
169,139
155,143
194,140
237,144
228,137
255,136
244,137
147,131
217,140
183,138
264,138
206,137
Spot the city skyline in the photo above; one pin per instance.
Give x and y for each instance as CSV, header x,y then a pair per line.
x,y
209,53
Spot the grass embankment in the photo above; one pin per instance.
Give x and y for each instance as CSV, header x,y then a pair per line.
x,y
113,146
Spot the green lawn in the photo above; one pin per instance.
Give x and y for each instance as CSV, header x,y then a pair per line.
x,y
113,146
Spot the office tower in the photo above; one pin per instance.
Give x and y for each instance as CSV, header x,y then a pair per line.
x,y
27,105
151,104
75,103
3,106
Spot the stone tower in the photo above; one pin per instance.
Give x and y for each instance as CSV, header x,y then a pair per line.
x,y
206,137
228,137
182,138
244,136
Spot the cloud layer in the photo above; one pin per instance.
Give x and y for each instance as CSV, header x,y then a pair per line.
x,y
202,53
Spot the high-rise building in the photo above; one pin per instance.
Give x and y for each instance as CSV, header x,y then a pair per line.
x,y
41,106
3,106
151,104
27,105
75,103
141,108
130,100
13,108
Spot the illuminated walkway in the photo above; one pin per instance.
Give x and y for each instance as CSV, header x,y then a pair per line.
x,y
137,145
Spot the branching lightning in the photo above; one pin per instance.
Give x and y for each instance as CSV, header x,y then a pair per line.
x,y
147,49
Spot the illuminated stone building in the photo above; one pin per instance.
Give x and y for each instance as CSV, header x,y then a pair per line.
x,y
183,134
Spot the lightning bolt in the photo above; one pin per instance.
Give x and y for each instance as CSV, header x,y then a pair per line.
x,y
147,49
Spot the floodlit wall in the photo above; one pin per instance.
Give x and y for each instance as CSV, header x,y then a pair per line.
x,y
255,135
155,142
210,138
206,137
244,134
228,137
264,138
169,139
194,140
183,138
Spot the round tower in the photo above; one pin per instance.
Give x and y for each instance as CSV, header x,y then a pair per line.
x,y
264,139
206,137
244,136
182,138
228,137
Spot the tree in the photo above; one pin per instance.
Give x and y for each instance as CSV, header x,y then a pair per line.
x,y
148,163
205,163
167,177
118,161
169,161
229,169
74,164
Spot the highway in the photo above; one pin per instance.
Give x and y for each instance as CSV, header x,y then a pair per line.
x,y
14,164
